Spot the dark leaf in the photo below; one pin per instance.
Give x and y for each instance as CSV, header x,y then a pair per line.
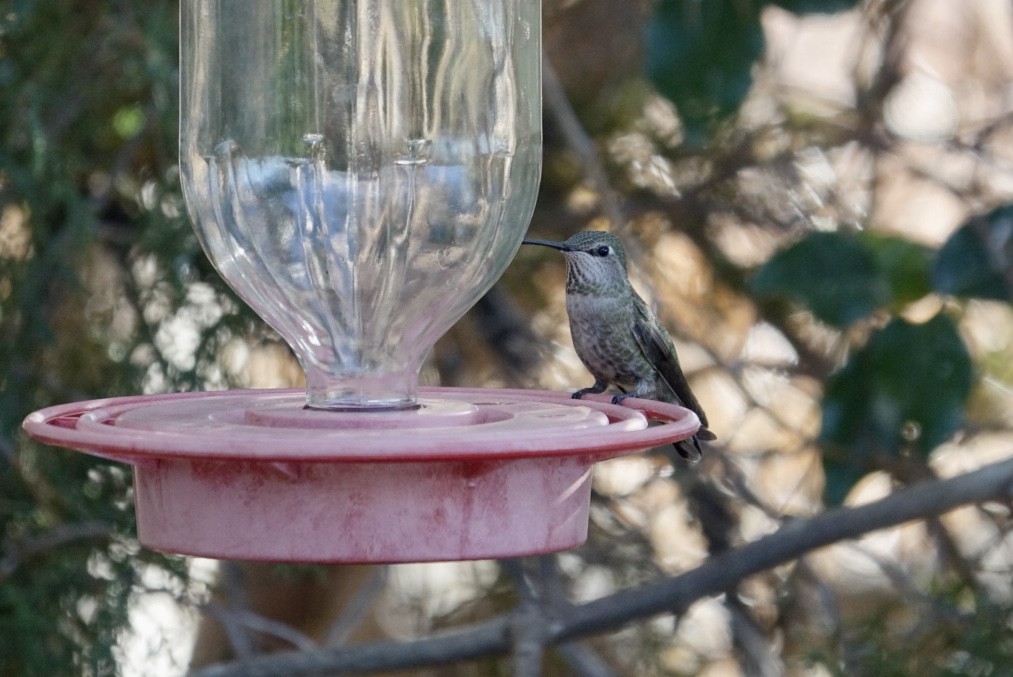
x,y
831,274
905,265
815,6
977,260
701,54
906,387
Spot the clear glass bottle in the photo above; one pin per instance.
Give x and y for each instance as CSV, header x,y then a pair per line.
x,y
360,171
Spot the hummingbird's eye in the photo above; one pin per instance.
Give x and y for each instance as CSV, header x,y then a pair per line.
x,y
602,250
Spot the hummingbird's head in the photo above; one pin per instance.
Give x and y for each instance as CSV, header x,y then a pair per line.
x,y
595,261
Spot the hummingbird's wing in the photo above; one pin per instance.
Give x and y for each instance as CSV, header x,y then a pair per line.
x,y
657,347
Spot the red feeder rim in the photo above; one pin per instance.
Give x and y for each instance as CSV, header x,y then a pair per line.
x,y
472,473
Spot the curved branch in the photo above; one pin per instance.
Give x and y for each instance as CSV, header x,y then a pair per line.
x,y
716,575
557,104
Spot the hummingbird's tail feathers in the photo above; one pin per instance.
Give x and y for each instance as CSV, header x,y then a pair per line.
x,y
689,449
656,345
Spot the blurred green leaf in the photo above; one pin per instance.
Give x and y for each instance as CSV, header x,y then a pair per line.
x,y
815,6
977,260
907,386
700,55
905,265
832,274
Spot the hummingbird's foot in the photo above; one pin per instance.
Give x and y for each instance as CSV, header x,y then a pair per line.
x,y
598,387
637,392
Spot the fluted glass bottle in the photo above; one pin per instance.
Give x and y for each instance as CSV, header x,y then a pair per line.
x,y
360,171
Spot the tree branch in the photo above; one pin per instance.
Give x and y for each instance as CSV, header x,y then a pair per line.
x,y
14,553
715,576
557,104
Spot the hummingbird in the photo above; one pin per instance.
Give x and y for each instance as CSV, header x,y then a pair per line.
x,y
616,335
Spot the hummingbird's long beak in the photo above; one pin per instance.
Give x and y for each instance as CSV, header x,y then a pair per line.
x,y
547,243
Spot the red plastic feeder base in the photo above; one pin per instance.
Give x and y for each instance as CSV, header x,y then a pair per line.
x,y
472,473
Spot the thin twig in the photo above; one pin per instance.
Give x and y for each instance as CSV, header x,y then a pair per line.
x,y
248,620
583,661
16,553
557,104
241,641
357,608
527,623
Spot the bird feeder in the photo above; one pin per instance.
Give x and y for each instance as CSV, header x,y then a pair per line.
x,y
360,172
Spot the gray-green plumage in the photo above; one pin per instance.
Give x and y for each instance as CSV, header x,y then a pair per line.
x,y
616,335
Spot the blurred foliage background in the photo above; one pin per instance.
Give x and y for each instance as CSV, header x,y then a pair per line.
x,y
818,196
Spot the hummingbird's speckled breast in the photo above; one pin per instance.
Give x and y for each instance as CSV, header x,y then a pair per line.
x,y
601,326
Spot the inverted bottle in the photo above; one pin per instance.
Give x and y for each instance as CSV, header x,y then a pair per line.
x,y
360,171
